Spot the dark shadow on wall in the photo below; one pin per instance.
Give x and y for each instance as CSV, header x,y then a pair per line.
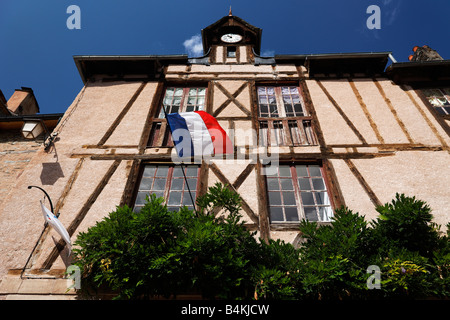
x,y
51,172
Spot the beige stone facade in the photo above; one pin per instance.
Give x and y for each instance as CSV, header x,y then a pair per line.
x,y
370,135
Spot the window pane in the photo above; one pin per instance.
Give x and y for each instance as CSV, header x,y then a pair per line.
x,y
286,184
191,171
272,184
291,214
177,184
284,171
140,199
187,199
301,171
263,101
274,198
325,213
276,214
178,92
192,102
146,184
318,184
177,172
176,101
264,110
273,110
289,110
322,198
167,101
285,90
304,184
310,213
158,194
298,110
149,171
287,100
174,198
192,183
162,171
160,184
307,198
447,110
289,198
315,171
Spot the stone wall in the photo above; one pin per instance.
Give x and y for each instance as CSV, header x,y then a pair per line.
x,y
15,154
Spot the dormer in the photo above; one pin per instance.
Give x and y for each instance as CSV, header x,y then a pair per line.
x,y
231,40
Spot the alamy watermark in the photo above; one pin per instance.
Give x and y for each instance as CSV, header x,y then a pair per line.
x,y
374,281
74,277
74,20
248,148
374,21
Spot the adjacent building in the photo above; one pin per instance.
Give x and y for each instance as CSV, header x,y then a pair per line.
x,y
311,133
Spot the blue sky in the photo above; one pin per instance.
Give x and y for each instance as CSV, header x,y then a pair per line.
x,y
37,48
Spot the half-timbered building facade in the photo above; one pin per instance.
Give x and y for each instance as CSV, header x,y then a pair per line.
x,y
310,133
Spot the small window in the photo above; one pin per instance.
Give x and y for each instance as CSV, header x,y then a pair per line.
x,y
231,52
168,181
183,100
439,99
298,192
282,102
283,120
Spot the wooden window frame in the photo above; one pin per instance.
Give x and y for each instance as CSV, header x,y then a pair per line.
x,y
297,191
169,180
184,98
283,129
160,136
441,110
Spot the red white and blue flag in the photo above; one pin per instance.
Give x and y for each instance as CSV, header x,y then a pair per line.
x,y
198,134
53,221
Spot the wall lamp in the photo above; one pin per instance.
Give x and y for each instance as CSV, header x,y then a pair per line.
x,y
32,128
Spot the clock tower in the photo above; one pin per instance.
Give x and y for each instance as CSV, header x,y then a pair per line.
x,y
231,40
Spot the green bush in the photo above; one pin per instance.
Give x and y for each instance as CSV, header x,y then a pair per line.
x,y
157,252
403,242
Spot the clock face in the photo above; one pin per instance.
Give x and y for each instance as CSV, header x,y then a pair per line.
x,y
231,38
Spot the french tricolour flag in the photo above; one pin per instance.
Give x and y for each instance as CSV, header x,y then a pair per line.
x,y
198,134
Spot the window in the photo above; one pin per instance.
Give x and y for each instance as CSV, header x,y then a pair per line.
x,y
167,181
283,120
277,102
298,192
439,99
231,52
176,99
183,100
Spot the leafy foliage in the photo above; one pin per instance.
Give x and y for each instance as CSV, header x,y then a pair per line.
x,y
157,252
403,242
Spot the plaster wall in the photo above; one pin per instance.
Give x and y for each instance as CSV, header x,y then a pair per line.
x,y
72,177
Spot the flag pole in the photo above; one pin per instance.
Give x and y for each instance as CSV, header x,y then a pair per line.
x,y
181,163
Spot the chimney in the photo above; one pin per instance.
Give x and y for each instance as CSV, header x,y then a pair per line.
x,y
424,53
23,102
3,108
